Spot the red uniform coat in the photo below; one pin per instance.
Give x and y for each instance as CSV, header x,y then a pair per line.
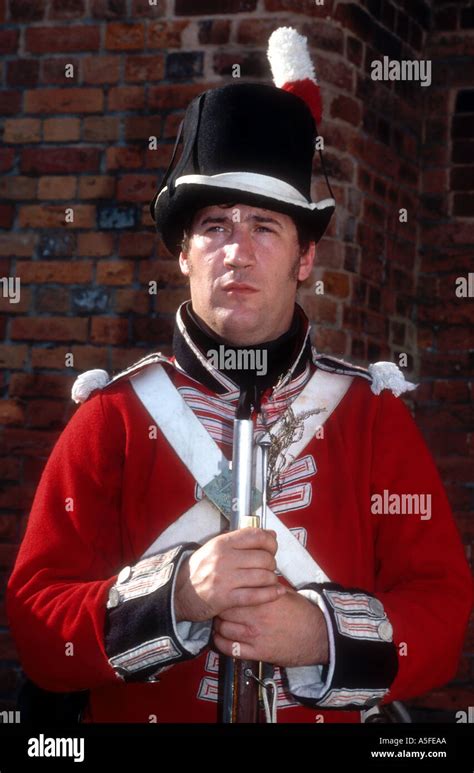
x,y
108,489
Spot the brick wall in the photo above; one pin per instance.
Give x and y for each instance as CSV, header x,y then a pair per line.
x,y
83,142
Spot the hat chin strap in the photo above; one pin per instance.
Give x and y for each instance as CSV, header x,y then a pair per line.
x,y
251,182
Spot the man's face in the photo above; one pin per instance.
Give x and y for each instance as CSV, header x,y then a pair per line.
x,y
243,265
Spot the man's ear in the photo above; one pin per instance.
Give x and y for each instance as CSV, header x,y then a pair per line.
x,y
307,259
183,263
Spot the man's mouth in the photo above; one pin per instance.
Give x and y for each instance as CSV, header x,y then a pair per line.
x,y
239,287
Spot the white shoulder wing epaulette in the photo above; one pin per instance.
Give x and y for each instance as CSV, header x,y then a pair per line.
x,y
97,378
381,375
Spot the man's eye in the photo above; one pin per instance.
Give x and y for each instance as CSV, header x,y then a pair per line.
x,y
265,228
214,227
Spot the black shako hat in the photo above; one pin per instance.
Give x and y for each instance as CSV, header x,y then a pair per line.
x,y
249,143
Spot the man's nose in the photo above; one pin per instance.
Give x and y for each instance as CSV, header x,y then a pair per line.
x,y
239,251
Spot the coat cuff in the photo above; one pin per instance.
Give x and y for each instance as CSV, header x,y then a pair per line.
x,y
142,637
363,659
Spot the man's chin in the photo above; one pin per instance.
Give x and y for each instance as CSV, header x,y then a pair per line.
x,y
240,326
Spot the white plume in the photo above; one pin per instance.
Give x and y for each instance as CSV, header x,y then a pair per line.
x,y
289,57
87,382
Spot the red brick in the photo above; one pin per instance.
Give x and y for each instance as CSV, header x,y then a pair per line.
x,y
52,300
172,123
146,220
61,129
8,527
96,187
451,391
54,216
167,301
252,31
95,244
122,358
66,9
22,307
321,308
141,127
11,412
53,71
134,187
331,341
7,158
109,330
40,40
142,8
10,469
214,31
124,158
443,417
25,11
100,129
347,109
136,245
101,69
39,385
59,272
159,158
59,160
155,332
456,469
7,214
126,98
8,650
22,130
17,244
125,37
134,301
172,97
167,271
252,63
49,329
144,68
22,72
300,6
10,102
108,9
18,187
114,272
64,101
49,357
24,442
8,41
88,357
60,187
336,283
210,7
13,357
455,339
46,414
166,34
12,496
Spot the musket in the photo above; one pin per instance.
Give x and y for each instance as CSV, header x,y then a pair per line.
x,y
241,677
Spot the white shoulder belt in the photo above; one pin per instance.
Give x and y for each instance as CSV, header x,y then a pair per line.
x,y
209,467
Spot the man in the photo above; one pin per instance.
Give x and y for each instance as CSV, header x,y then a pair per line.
x,y
128,583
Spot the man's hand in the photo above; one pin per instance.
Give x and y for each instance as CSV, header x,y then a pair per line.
x,y
232,570
290,631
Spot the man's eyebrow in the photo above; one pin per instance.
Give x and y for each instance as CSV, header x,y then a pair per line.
x,y
225,219
265,219
212,219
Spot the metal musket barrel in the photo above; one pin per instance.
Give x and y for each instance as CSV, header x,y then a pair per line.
x,y
241,690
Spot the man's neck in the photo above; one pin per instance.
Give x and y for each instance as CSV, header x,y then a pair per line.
x,y
195,340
